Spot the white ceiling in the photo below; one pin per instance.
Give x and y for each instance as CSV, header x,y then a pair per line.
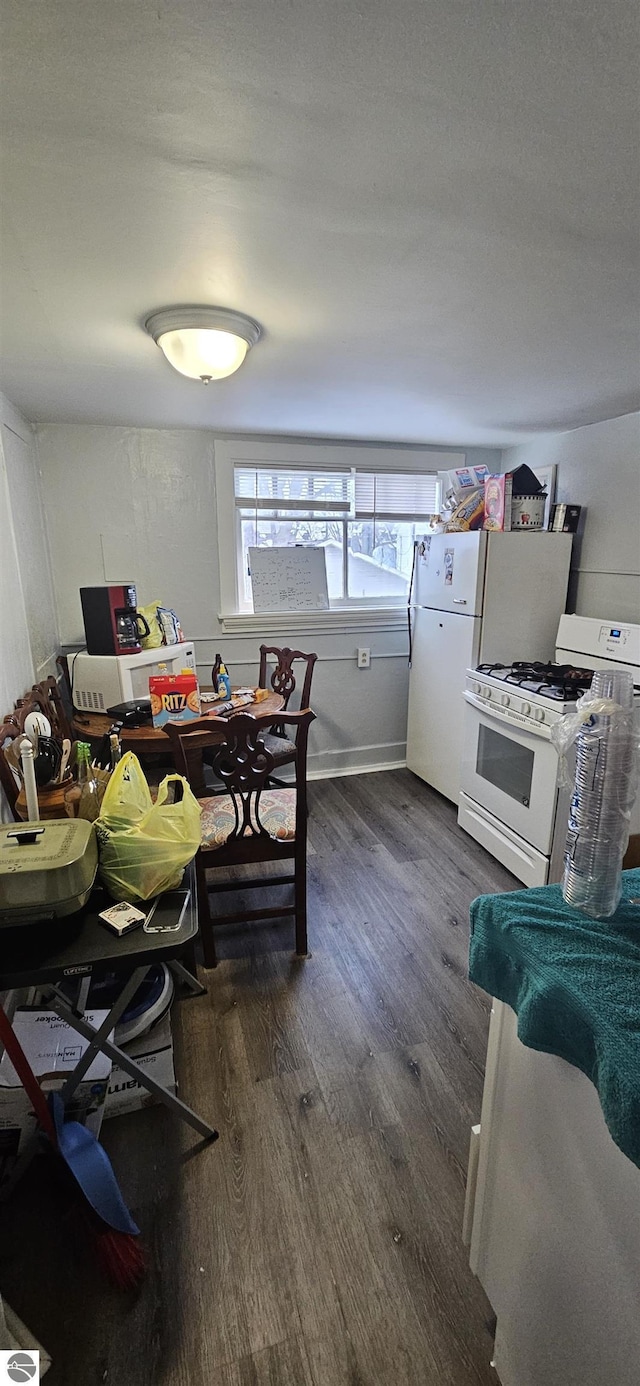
x,y
429,205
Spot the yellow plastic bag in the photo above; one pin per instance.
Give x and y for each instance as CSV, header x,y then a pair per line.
x,y
155,638
144,847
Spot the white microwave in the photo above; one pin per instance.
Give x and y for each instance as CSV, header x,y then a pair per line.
x,y
102,681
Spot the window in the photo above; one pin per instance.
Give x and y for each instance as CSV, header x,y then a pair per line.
x,y
365,520
362,503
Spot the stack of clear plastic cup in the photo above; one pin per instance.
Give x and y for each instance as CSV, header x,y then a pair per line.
x,y
603,796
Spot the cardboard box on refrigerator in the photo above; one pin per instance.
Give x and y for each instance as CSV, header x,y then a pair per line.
x,y
154,1053
498,495
52,1049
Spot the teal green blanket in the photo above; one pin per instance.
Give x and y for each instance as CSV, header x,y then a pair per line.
x,y
574,984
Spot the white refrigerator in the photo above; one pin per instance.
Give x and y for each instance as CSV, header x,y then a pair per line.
x,y
476,598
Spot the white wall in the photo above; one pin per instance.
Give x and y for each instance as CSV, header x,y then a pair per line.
x,y
16,664
29,638
599,468
132,505
31,539
139,504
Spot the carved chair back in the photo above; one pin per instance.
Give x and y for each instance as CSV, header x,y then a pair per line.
x,y
9,779
282,677
43,697
46,698
244,765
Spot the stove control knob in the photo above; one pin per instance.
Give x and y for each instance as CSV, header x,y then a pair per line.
x,y
539,714
489,693
526,709
505,700
475,688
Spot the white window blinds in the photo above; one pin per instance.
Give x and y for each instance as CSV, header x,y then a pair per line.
x,y
358,495
285,489
395,495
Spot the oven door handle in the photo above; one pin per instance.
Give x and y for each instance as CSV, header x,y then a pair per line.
x,y
512,719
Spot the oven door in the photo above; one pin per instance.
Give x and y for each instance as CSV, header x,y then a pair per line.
x,y
512,772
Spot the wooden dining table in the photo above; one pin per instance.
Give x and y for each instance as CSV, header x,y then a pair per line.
x,y
147,740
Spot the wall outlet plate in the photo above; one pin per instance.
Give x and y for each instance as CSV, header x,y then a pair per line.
x,y
364,658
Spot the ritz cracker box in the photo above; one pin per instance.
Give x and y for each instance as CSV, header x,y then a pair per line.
x,y
174,698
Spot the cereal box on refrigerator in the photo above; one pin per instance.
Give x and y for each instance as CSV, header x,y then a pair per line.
x,y
498,490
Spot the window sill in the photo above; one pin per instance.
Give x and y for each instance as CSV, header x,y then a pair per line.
x,y
338,619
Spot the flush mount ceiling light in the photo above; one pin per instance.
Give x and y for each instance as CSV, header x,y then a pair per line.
x,y
204,343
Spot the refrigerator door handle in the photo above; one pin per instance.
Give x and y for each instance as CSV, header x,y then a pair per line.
x,y
459,601
410,601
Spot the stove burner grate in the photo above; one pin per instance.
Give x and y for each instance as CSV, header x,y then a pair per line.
x,y
561,682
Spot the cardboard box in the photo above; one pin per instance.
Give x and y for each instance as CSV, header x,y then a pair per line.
x,y
460,482
154,1053
174,698
498,490
504,494
53,1049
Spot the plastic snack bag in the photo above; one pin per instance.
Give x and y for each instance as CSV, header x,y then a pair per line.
x,y
468,514
144,846
154,639
169,625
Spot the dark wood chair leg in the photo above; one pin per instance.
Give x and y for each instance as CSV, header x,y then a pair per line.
x,y
204,917
300,889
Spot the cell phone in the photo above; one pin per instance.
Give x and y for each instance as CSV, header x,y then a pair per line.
x,y
173,900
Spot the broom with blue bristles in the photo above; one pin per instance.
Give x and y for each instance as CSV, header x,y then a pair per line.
x,y
112,1228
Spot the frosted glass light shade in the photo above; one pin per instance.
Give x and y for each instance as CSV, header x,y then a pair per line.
x,y
203,353
203,343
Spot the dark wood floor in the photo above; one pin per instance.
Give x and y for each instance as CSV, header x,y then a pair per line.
x,y
318,1242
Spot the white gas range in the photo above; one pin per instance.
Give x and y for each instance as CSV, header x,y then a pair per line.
x,y
511,800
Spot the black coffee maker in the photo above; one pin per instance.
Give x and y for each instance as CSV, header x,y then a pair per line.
x,y
112,625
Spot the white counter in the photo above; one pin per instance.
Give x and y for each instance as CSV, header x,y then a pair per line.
x,y
553,1208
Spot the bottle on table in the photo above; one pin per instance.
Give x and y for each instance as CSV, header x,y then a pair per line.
x,y
220,678
224,682
115,749
82,798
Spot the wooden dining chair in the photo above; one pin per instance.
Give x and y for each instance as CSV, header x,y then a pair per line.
x,y
47,696
282,680
43,697
250,823
65,688
9,780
